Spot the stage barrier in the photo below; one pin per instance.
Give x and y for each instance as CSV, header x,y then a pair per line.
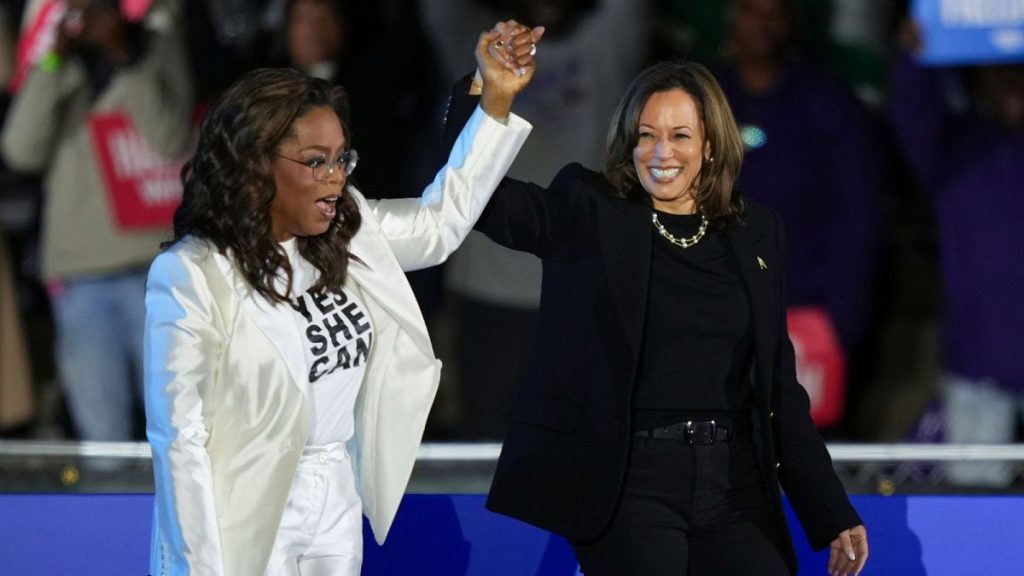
x,y
441,532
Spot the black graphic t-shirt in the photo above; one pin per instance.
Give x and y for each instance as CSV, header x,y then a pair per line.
x,y
337,336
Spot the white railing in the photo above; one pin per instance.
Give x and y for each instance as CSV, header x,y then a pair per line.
x,y
488,451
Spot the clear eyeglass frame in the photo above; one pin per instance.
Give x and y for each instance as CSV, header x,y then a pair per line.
x,y
322,169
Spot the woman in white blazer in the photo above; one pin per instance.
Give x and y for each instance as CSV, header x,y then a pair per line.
x,y
288,369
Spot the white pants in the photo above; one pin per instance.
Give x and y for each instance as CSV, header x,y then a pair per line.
x,y
321,532
979,412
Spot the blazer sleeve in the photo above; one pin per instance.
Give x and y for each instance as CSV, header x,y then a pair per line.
x,y
162,94
182,345
521,215
424,231
34,122
531,218
805,466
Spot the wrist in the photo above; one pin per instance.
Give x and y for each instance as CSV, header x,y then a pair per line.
x,y
476,85
497,106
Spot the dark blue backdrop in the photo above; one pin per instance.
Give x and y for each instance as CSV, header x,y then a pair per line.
x,y
453,535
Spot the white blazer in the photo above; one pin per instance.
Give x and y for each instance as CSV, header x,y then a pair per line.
x,y
225,414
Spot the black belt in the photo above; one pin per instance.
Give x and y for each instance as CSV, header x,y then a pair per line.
x,y
701,433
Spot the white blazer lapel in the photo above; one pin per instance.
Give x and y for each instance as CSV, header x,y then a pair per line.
x,y
274,321
382,277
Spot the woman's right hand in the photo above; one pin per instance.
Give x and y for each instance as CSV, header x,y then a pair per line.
x,y
505,64
69,30
848,552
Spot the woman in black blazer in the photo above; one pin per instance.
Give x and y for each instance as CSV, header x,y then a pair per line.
x,y
660,410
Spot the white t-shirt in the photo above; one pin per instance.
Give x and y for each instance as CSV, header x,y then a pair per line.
x,y
337,336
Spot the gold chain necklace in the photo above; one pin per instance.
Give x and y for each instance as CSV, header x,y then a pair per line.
x,y
681,242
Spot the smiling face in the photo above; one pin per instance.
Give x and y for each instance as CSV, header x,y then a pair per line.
x,y
670,150
303,206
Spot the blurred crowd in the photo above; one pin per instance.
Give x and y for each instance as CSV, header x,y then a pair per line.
x,y
901,188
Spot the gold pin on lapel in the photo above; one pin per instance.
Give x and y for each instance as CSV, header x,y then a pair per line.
x,y
760,262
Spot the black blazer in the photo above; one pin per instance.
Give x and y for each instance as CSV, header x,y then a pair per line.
x,y
563,461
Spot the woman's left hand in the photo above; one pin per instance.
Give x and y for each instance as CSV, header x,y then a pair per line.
x,y
848,552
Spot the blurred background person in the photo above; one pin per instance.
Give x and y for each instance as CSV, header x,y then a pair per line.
x,y
101,63
969,159
17,397
814,153
8,35
379,52
17,401
592,49
850,36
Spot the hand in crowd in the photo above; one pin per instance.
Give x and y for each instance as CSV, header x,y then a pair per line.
x,y
848,552
505,64
70,29
88,25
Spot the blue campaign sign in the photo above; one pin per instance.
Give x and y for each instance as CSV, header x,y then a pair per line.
x,y
971,31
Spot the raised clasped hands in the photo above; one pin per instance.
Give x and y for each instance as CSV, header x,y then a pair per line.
x,y
505,64
848,552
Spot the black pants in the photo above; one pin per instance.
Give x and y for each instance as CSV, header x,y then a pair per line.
x,y
688,511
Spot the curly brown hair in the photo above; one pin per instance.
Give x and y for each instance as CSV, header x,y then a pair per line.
x,y
229,185
715,196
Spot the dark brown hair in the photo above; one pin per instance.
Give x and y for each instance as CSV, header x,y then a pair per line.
x,y
715,196
229,185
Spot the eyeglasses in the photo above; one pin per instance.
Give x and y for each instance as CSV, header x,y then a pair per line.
x,y
323,168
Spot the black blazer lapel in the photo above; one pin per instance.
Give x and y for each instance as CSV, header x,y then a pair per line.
x,y
759,268
625,237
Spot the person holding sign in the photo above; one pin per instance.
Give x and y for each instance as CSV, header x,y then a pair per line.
x,y
134,76
661,409
789,107
969,161
288,368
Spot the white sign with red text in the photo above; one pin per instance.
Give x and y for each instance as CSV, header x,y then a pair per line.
x,y
144,188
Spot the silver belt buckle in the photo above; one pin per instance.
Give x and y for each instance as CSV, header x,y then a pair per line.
x,y
701,433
